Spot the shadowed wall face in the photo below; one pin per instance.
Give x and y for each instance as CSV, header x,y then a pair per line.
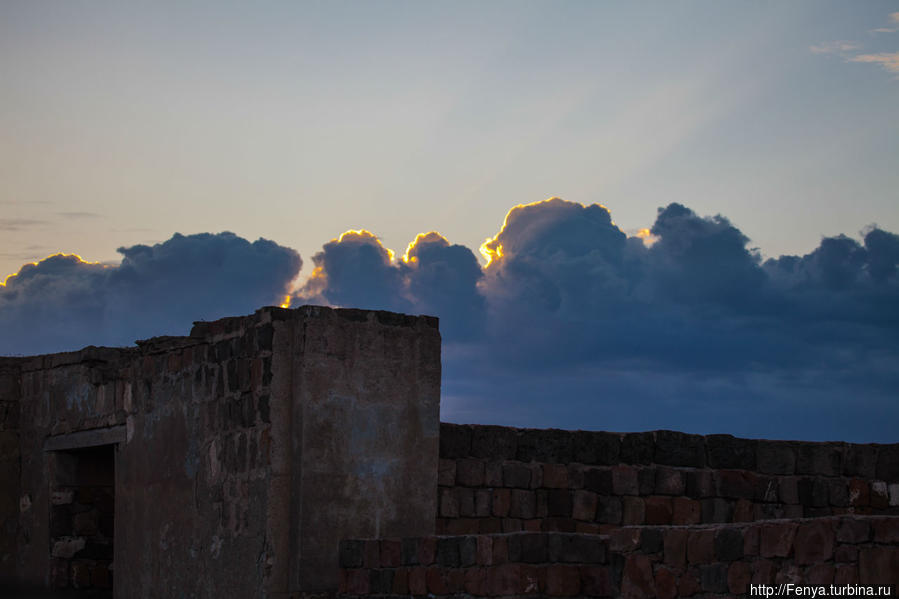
x,y
240,455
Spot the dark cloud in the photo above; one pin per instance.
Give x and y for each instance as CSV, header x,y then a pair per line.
x,y
63,302
572,323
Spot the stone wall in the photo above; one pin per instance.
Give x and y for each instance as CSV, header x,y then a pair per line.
x,y
633,562
240,455
496,479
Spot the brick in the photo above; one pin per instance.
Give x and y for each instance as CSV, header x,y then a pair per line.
x,y
409,550
476,581
716,511
624,480
502,499
651,540
470,473
744,511
879,495
448,552
455,441
878,565
555,476
701,546
454,581
637,448
598,480
657,510
729,544
675,547
886,530
859,493
846,554
738,576
609,510
517,475
465,500
400,581
371,554
764,572
523,504
576,476
449,504
500,550
736,484
584,507
559,503
751,536
380,581
665,583
632,510
838,491
482,502
845,574
468,551
435,581
819,574
427,551
493,474
888,463
777,539
713,577
350,554
624,540
646,481
581,549
562,580
819,458
860,460
669,481
357,581
530,548
725,451
853,530
504,580
699,484
679,449
637,580
494,442
596,447
775,457
788,489
813,492
544,445
595,581
685,511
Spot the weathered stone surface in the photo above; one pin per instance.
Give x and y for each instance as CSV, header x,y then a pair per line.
x,y
726,451
679,449
814,542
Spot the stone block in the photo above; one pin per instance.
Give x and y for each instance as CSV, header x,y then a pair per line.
x,y
713,578
845,554
632,510
859,460
886,530
814,542
701,546
657,510
751,536
562,580
544,445
665,583
879,495
598,480
584,507
726,451
685,511
577,549
738,576
517,475
427,551
819,458
504,580
859,493
470,473
623,540
596,447
736,484
888,463
596,581
350,554
819,574
609,510
838,491
624,480
637,579
729,544
651,540
669,481
494,442
455,441
523,504
853,530
555,476
679,449
775,457
716,511
777,539
675,547
699,484
391,553
502,499
878,565
559,503
637,448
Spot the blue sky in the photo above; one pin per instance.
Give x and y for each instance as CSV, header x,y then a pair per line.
x,y
121,125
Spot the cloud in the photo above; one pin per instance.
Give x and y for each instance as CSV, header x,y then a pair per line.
x,y
64,302
838,47
894,17
17,224
888,60
80,214
572,323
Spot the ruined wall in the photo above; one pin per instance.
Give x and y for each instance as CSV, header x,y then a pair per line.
x,y
9,463
240,455
496,479
633,562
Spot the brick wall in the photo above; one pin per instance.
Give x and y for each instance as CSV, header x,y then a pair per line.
x,y
495,479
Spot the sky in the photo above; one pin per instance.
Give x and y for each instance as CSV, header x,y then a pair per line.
x,y
723,258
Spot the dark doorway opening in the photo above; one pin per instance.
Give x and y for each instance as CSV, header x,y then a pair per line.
x,y
82,509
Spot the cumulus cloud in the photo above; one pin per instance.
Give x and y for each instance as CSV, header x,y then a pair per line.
x,y
64,302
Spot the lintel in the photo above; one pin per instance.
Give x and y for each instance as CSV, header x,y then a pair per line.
x,y
89,438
